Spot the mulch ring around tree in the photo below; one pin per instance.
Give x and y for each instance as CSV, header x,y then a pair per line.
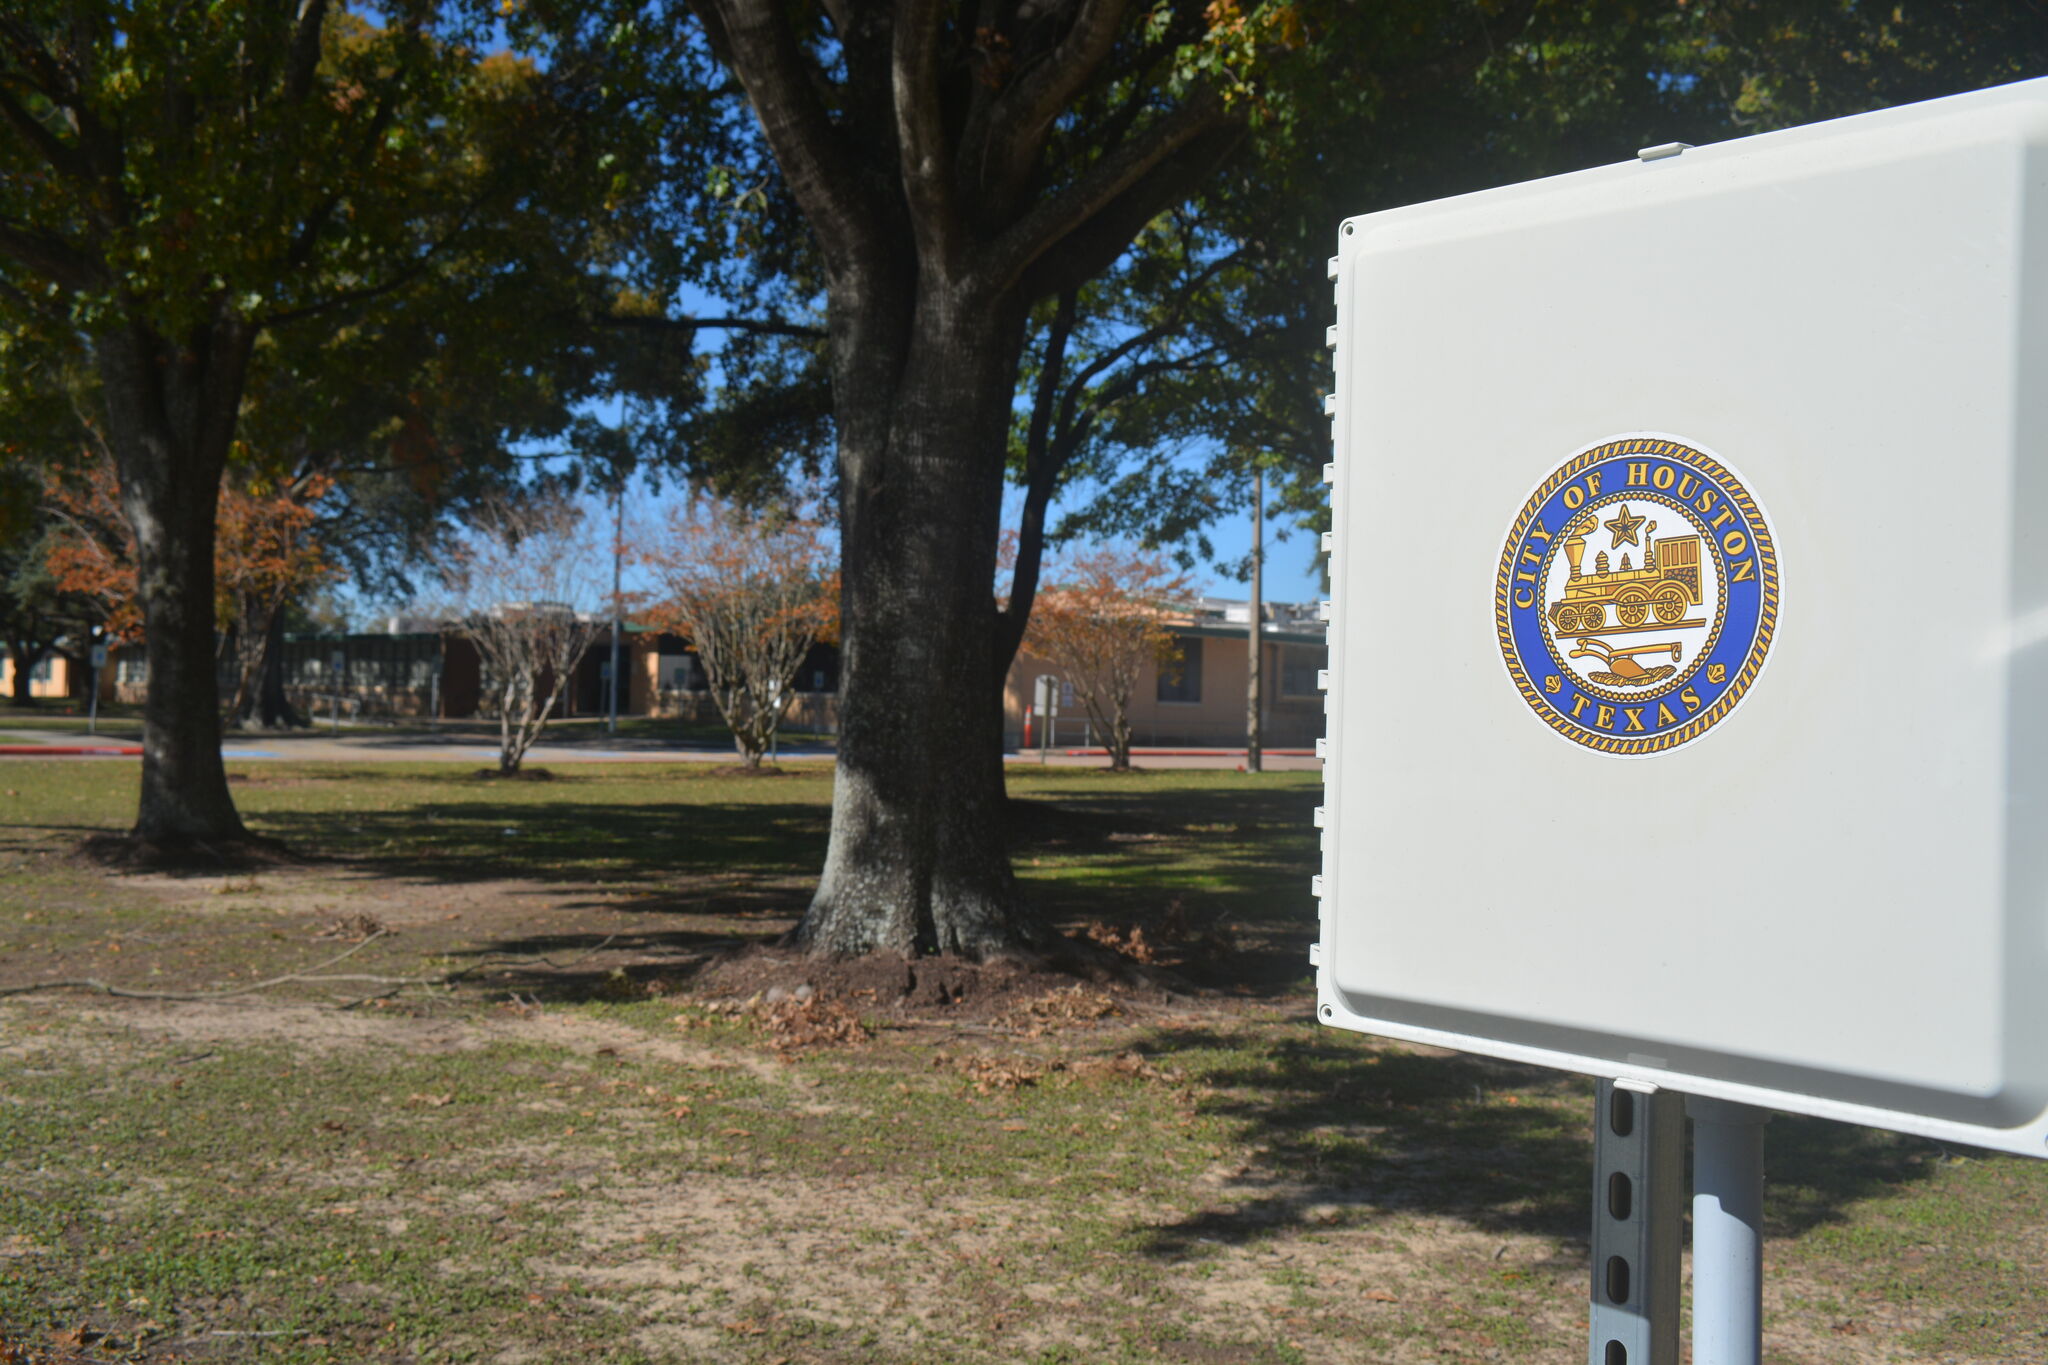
x,y
942,985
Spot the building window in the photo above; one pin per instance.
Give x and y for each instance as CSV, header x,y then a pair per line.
x,y
1298,667
131,670
43,670
1180,669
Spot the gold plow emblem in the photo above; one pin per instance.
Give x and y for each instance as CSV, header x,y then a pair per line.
x,y
1666,587
1622,670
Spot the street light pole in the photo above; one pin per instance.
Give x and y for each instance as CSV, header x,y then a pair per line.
x,y
1252,739
611,721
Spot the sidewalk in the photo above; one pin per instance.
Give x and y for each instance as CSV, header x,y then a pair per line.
x,y
573,742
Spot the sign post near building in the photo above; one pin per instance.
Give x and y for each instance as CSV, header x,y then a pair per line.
x,y
1688,685
337,668
92,706
1045,704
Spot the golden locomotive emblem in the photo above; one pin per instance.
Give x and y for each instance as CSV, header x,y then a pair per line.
x,y
1610,599
1666,586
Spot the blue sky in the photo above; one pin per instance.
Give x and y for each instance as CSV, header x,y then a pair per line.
x,y
1293,565
1292,568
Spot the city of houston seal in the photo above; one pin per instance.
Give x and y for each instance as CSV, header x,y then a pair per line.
x,y
1637,595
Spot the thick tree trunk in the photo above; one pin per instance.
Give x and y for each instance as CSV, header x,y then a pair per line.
x,y
170,418
1120,741
26,657
274,710
917,861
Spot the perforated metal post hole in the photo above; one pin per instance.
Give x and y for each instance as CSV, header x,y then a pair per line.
x,y
1638,1202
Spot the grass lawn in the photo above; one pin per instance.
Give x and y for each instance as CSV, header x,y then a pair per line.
x,y
586,1149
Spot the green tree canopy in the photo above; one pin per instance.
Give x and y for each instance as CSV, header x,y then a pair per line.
x,y
192,195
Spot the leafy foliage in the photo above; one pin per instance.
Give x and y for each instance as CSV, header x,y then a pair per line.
x,y
267,550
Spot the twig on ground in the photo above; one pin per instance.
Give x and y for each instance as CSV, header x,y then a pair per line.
x,y
94,984
394,984
488,958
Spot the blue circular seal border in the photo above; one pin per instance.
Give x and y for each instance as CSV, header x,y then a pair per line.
x,y
1745,555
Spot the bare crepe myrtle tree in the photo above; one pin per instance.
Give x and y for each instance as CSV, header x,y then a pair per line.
x,y
753,595
1105,617
524,592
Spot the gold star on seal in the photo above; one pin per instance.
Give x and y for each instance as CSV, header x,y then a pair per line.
x,y
1624,527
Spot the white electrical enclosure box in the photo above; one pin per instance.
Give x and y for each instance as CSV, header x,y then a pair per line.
x,y
1688,690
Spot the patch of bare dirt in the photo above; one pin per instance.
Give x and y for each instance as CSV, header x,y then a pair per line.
x,y
314,1030
729,1254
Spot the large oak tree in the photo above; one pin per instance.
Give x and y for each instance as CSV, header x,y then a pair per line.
x,y
956,166
179,180
955,163
981,189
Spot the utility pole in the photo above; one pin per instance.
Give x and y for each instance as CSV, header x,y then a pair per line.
x,y
1252,759
611,719
611,715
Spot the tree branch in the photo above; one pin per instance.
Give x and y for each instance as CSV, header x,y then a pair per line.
x,y
1041,475
920,131
1022,115
1091,244
756,41
763,326
50,256
65,160
1125,170
304,61
1466,57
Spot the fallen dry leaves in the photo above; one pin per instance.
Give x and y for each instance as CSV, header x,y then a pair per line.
x,y
1061,1007
1126,941
988,1075
355,928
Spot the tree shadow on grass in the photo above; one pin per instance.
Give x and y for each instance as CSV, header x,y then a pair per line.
x,y
566,841
1353,1130
1227,857
1225,867
574,968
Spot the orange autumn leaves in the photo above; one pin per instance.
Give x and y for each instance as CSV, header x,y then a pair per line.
x,y
1105,618
266,548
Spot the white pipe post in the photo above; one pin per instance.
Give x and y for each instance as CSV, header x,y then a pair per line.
x,y
1727,1231
611,713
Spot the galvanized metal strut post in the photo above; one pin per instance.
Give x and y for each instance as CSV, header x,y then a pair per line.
x,y
1638,1213
1727,1231
1638,1209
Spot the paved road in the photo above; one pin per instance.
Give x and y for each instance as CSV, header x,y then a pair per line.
x,y
577,745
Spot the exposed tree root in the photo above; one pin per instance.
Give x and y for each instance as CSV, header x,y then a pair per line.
x,y
135,853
